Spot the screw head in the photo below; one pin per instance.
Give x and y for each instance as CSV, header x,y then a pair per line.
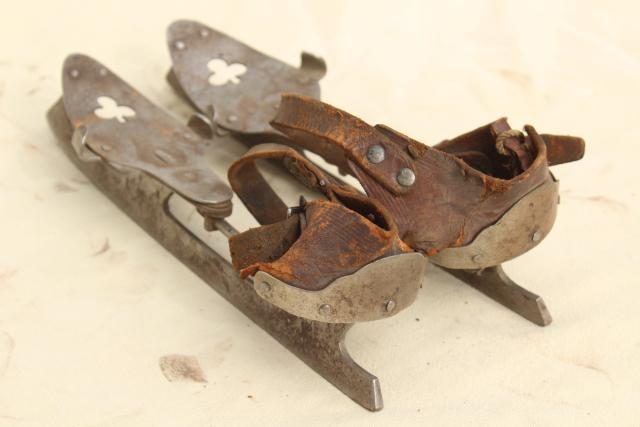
x,y
106,147
204,32
536,236
390,305
74,73
232,118
180,45
264,287
375,154
406,177
325,309
477,258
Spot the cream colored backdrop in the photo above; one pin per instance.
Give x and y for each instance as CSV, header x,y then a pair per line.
x,y
81,334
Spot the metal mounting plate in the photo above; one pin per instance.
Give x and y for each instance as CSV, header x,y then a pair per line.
x,y
121,126
242,84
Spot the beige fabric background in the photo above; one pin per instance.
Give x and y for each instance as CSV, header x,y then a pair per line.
x,y
81,334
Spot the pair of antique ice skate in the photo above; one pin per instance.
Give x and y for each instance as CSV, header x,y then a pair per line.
x,y
467,204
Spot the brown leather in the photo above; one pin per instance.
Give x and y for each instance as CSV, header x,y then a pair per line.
x,y
563,148
335,242
450,201
254,191
324,241
263,244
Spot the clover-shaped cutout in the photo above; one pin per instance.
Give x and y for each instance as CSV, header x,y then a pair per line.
x,y
109,109
223,73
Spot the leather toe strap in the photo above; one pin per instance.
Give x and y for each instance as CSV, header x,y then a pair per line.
x,y
563,148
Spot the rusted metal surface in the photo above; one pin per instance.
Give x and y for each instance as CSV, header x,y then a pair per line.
x,y
240,86
319,344
495,283
118,124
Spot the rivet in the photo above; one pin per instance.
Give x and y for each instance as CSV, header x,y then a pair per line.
x,y
325,309
537,236
74,73
102,72
232,118
180,45
322,183
375,154
265,287
477,258
188,136
390,305
406,177
204,32
106,147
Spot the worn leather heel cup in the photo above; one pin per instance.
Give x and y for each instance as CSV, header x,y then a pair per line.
x,y
339,260
444,197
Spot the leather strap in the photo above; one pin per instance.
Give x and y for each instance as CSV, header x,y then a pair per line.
x,y
324,130
446,202
563,148
256,193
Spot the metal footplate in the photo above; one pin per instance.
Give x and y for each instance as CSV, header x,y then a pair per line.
x,y
232,84
139,157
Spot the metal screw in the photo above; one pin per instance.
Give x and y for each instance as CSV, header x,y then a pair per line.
x,y
265,287
406,177
232,118
204,32
390,305
537,236
325,309
74,73
322,183
375,154
477,258
180,45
